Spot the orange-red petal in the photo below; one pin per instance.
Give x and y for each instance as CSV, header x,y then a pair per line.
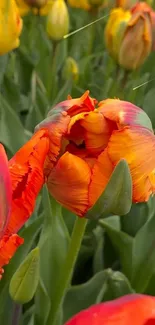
x,y
68,183
124,113
101,173
5,191
137,146
8,247
26,171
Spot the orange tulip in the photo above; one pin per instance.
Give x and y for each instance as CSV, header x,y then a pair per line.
x,y
25,171
120,311
86,143
145,8
128,37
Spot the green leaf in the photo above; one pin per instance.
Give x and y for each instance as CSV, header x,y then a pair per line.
x,y
117,285
3,65
137,217
143,265
12,133
24,282
117,196
53,245
82,296
122,242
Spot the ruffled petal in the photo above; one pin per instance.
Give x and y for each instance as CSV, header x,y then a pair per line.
x,y
101,173
137,146
68,183
26,171
124,113
5,191
8,247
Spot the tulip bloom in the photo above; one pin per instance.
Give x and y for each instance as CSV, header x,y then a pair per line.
x,y
10,26
86,143
41,7
25,174
58,21
128,37
121,311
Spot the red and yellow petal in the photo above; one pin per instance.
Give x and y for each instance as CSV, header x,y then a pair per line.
x,y
26,172
5,191
137,146
68,183
118,312
8,247
101,173
124,113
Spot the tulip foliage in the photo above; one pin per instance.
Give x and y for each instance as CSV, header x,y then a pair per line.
x,y
77,162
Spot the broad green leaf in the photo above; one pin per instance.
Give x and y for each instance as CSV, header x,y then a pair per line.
x,y
53,245
24,282
122,242
143,265
137,217
12,133
117,285
3,65
82,296
117,196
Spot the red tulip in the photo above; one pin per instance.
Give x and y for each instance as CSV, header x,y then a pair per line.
x,y
134,309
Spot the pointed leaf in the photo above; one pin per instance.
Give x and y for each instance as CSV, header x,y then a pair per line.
x,y
117,196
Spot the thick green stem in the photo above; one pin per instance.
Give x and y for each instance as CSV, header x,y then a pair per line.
x,y
67,271
52,78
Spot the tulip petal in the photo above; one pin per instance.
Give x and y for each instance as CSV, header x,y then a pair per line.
x,y
26,171
8,247
5,191
124,113
119,312
137,146
101,173
68,182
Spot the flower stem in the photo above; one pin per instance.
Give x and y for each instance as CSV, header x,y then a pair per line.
x,y
67,271
16,314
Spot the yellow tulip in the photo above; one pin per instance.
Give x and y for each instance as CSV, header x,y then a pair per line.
x,y
58,21
10,26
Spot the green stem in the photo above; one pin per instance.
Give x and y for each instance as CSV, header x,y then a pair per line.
x,y
67,271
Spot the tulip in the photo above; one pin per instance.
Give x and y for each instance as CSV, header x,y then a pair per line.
x,y
58,21
120,311
145,8
41,7
129,37
87,142
25,170
70,70
10,26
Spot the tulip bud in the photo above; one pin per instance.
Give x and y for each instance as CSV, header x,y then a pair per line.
x,y
36,3
137,42
115,29
24,282
58,21
70,70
